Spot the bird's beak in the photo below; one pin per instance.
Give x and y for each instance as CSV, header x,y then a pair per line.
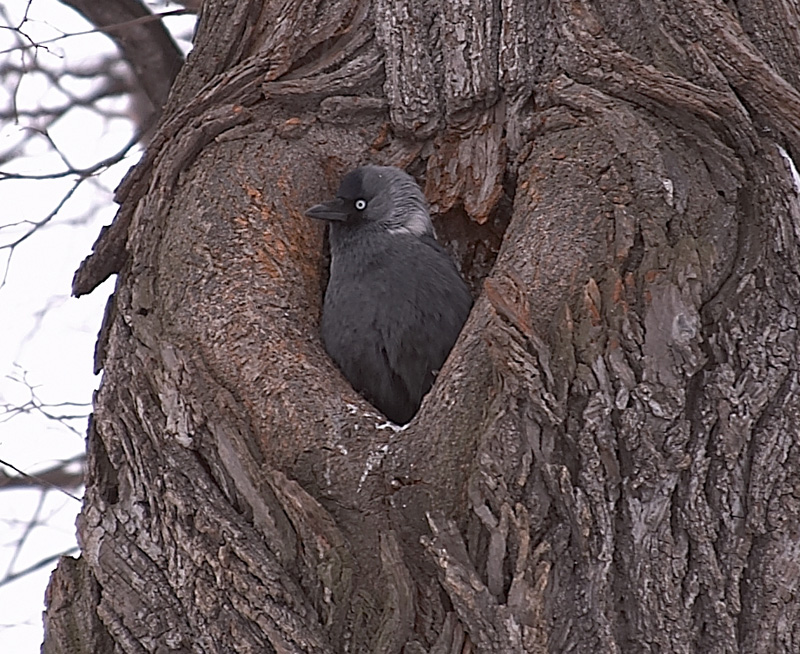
x,y
333,210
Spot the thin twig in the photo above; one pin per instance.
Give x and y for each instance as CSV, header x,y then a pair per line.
x,y
39,480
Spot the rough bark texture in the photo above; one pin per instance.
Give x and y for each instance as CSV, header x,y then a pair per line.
x,y
609,459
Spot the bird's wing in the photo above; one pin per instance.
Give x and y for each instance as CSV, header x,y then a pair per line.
x,y
430,306
391,319
354,330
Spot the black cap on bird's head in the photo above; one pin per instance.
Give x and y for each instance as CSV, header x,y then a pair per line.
x,y
379,196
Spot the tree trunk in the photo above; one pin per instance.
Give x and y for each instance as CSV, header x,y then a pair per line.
x,y
608,461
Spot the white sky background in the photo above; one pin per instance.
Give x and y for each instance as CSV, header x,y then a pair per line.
x,y
44,333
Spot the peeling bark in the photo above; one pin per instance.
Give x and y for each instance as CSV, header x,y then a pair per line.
x,y
608,461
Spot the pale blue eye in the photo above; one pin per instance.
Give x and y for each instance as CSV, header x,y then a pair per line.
x,y
361,204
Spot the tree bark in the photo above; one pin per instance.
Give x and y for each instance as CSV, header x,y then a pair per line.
x,y
608,461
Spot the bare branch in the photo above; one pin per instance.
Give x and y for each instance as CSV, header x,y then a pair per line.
x,y
59,477
110,29
43,563
34,404
145,43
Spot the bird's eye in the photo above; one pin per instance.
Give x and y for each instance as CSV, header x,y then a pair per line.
x,y
360,204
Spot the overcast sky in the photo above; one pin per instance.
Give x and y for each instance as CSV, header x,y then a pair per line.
x,y
47,337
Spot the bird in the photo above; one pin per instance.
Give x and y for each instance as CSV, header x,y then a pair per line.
x,y
395,302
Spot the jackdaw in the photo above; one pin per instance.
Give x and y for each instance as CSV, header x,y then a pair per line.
x,y
395,302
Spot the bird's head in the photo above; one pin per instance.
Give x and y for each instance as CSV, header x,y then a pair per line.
x,y
381,197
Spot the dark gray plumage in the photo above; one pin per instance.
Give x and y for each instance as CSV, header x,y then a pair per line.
x,y
395,302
